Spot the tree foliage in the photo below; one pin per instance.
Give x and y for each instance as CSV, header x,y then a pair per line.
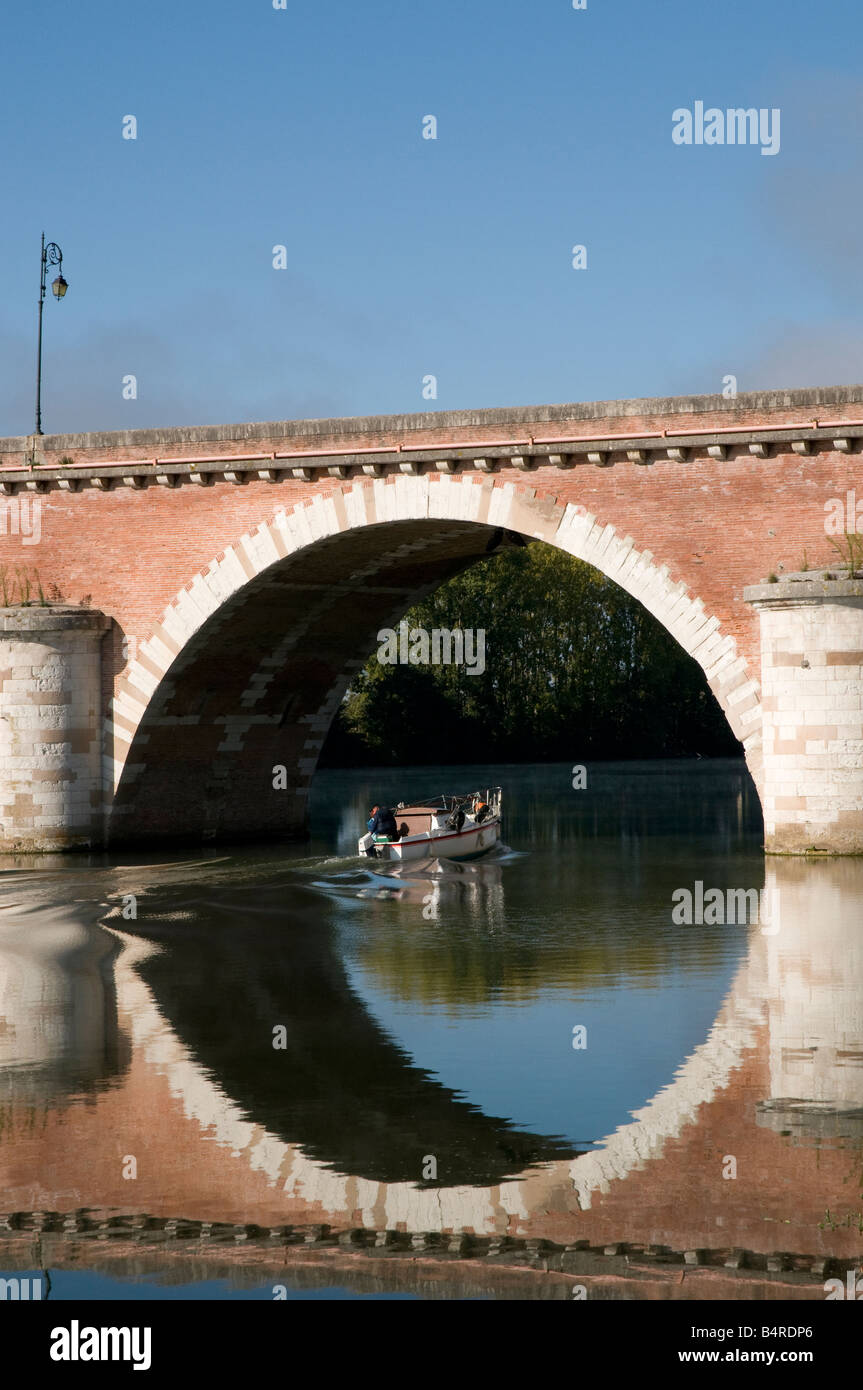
x,y
574,667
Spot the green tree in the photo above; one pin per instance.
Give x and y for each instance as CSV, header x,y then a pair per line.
x,y
572,662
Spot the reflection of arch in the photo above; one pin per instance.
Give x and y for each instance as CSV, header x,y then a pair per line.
x,y
339,1088
770,1002
359,558
697,1082
340,1186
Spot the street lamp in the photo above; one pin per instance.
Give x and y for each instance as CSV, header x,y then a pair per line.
x,y
51,255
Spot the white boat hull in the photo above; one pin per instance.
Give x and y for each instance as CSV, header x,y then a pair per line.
x,y
468,843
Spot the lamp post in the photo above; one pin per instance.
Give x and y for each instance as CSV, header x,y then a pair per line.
x,y
51,255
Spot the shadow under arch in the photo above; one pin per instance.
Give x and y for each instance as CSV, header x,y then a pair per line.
x,y
247,667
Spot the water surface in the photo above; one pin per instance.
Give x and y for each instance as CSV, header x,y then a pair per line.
x,y
424,1077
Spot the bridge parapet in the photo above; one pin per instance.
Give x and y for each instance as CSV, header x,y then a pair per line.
x,y
46,471
756,425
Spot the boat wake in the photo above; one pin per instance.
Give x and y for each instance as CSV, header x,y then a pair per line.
x,y
413,880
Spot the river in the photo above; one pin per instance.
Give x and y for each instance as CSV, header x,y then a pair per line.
x,y
287,1068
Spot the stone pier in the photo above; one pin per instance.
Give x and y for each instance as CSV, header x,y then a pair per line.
x,y
50,728
812,712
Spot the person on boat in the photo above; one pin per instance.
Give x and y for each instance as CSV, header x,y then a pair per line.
x,y
383,822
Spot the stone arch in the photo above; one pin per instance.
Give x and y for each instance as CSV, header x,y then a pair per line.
x,y
463,501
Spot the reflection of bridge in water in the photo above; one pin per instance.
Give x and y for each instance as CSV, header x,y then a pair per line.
x,y
332,1131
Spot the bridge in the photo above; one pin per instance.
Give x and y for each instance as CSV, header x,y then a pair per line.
x,y
208,593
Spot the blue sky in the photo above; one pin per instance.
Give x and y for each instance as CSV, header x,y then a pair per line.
x,y
409,257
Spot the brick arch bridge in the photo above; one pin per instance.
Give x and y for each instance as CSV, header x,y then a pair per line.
x,y
214,590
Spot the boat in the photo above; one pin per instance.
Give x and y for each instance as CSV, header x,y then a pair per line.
x,y
441,827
